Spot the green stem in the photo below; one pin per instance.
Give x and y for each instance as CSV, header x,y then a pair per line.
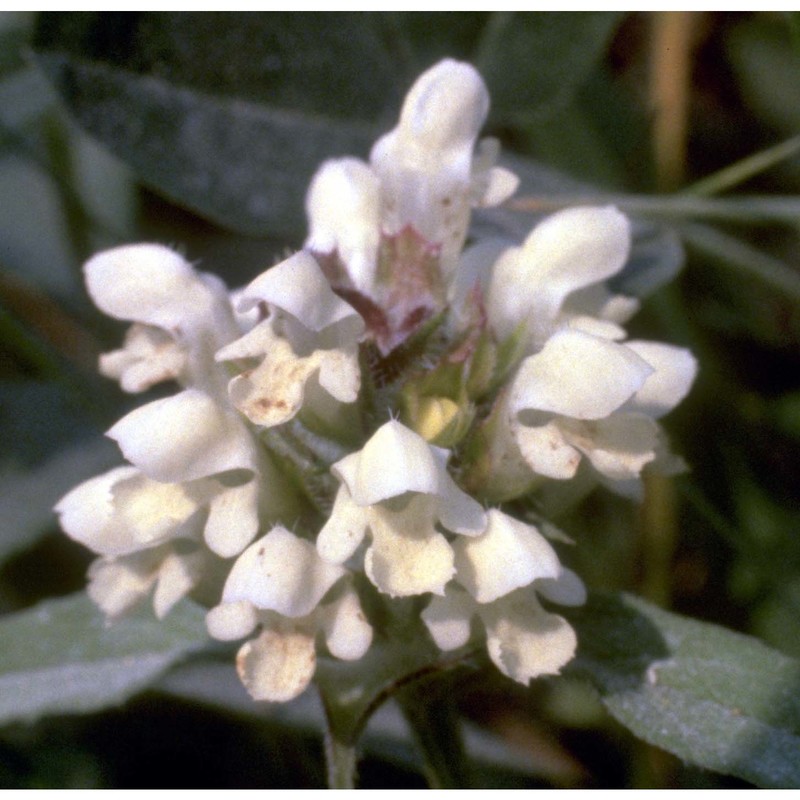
x,y
743,170
432,716
340,759
750,210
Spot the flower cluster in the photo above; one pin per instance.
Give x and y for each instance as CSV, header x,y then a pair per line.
x,y
357,414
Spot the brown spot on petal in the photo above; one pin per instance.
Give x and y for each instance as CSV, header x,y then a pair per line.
x,y
265,404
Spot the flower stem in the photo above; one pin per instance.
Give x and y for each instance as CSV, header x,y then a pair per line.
x,y
340,759
431,714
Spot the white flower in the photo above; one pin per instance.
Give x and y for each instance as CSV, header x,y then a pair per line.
x,y
390,232
182,317
502,571
310,334
148,534
199,486
585,396
429,173
118,583
554,278
397,488
279,583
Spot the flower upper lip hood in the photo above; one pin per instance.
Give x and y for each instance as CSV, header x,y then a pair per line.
x,y
439,124
410,204
396,460
565,253
153,285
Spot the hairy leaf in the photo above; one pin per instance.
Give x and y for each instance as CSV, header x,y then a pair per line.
x,y
61,657
717,699
229,114
552,54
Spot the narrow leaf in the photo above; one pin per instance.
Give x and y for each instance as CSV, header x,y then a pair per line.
x,y
717,699
242,165
60,656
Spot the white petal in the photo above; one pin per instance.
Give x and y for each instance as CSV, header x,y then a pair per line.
x,y
344,531
459,512
278,665
675,371
456,510
597,301
546,450
525,641
395,460
282,573
567,251
148,356
448,619
509,555
233,519
123,511
184,437
230,621
578,375
275,390
146,283
619,446
566,590
347,632
343,209
118,584
500,185
299,287
473,274
84,513
339,374
408,556
597,327
178,574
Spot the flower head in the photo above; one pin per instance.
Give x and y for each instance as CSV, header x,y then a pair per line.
x,y
499,369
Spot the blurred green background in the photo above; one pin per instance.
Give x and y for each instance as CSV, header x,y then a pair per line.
x,y
202,131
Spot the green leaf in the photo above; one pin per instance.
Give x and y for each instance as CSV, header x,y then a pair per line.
x,y
767,68
717,699
230,114
227,114
534,63
61,657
